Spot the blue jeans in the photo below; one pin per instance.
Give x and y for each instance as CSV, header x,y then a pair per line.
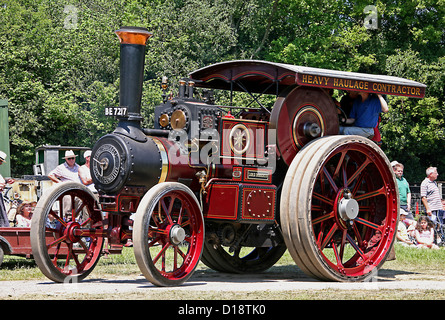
x,y
365,132
440,215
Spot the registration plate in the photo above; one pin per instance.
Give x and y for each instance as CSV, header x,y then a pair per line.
x,y
116,111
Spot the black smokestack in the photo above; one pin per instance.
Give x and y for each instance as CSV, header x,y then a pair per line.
x,y
132,58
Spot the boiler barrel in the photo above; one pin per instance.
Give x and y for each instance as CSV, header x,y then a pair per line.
x,y
118,161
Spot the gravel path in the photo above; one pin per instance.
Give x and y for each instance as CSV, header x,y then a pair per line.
x,y
207,282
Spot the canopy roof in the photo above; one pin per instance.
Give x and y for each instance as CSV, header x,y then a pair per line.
x,y
258,76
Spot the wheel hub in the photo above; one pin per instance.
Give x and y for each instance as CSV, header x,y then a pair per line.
x,y
70,232
177,234
311,130
348,208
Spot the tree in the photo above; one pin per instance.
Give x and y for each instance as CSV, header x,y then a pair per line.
x,y
59,63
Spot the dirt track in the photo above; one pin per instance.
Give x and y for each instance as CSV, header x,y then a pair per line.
x,y
212,283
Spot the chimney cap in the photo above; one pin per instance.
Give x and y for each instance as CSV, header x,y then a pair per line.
x,y
133,35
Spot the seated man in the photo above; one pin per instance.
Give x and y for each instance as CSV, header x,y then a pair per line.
x,y
365,115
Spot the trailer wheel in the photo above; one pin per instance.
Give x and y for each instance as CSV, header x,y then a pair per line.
x,y
67,232
2,254
168,234
339,208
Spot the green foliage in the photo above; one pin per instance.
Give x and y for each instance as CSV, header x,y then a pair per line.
x,y
414,130
59,60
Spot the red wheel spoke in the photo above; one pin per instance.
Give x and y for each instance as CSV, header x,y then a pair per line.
x,y
58,218
76,260
159,231
357,185
359,171
54,260
169,209
183,255
342,244
56,242
186,223
154,241
329,236
86,222
73,207
161,254
367,223
322,218
76,213
375,193
355,246
330,179
338,255
340,164
180,215
357,235
68,258
175,258
84,246
323,199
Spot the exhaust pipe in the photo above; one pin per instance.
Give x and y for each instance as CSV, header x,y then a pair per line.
x,y
132,58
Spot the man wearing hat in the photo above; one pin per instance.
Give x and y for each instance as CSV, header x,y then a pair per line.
x,y
67,171
3,215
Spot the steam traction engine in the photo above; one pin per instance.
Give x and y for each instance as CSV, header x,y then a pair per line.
x,y
234,192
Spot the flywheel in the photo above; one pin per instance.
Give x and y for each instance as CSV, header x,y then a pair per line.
x,y
300,115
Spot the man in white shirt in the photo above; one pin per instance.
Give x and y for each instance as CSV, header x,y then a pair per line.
x,y
67,171
430,195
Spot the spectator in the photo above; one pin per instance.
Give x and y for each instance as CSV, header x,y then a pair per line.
x,y
84,172
402,232
4,221
425,233
365,115
429,192
67,171
404,190
347,101
24,215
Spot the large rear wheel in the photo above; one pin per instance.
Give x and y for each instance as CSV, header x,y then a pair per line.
x,y
339,208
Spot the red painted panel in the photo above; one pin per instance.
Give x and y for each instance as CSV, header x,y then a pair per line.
x,y
223,201
258,203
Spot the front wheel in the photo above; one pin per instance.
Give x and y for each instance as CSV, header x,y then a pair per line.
x,y
168,234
